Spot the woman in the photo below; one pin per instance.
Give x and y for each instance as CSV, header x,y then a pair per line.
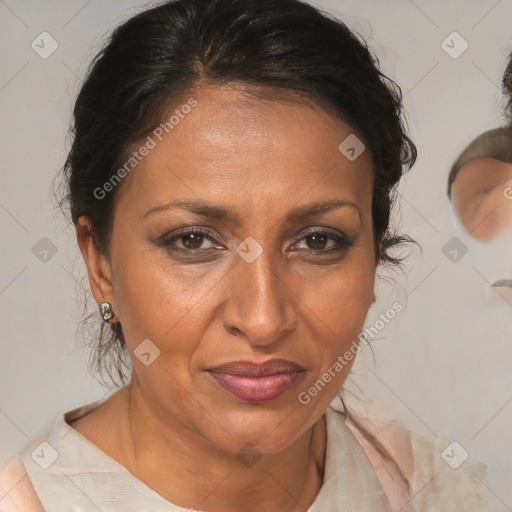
x,y
231,177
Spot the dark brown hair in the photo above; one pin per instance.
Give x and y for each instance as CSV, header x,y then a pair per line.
x,y
157,57
507,88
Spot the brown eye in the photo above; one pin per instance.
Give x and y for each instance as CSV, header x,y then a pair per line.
x,y
321,240
317,241
192,240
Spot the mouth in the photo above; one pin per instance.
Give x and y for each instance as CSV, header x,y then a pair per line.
x,y
257,382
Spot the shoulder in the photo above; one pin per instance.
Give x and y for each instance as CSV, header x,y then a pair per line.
x,y
444,474
16,491
437,474
24,480
395,471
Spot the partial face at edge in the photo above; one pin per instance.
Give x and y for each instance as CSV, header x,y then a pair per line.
x,y
482,197
304,298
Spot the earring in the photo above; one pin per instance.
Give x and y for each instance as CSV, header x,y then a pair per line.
x,y
106,311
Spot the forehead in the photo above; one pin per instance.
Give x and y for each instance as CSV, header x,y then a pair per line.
x,y
235,144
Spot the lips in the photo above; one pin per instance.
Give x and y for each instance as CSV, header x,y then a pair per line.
x,y
257,382
253,369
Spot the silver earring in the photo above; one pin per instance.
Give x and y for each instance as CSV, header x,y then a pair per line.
x,y
106,311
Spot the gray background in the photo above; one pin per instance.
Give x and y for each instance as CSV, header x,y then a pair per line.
x,y
442,366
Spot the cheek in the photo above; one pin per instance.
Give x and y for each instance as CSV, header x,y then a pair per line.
x,y
339,305
160,300
335,301
341,301
168,305
464,203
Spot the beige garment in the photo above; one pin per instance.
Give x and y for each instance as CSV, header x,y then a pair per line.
x,y
68,473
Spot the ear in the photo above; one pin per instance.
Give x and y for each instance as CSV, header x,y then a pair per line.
x,y
98,267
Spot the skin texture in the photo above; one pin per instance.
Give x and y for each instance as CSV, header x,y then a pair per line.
x,y
174,427
482,197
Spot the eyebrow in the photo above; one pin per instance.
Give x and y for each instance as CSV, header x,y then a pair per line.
x,y
208,210
490,188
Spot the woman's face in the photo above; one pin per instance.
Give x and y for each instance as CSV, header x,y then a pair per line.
x,y
255,283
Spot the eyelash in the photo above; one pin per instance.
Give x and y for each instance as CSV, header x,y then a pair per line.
x,y
341,240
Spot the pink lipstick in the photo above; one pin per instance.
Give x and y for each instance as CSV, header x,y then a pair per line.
x,y
257,382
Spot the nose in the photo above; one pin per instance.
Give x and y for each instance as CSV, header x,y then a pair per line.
x,y
260,305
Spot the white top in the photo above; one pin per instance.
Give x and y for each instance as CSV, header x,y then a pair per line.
x,y
70,474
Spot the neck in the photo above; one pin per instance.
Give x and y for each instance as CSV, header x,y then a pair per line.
x,y
186,469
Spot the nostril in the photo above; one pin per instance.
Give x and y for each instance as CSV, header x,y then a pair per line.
x,y
235,331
